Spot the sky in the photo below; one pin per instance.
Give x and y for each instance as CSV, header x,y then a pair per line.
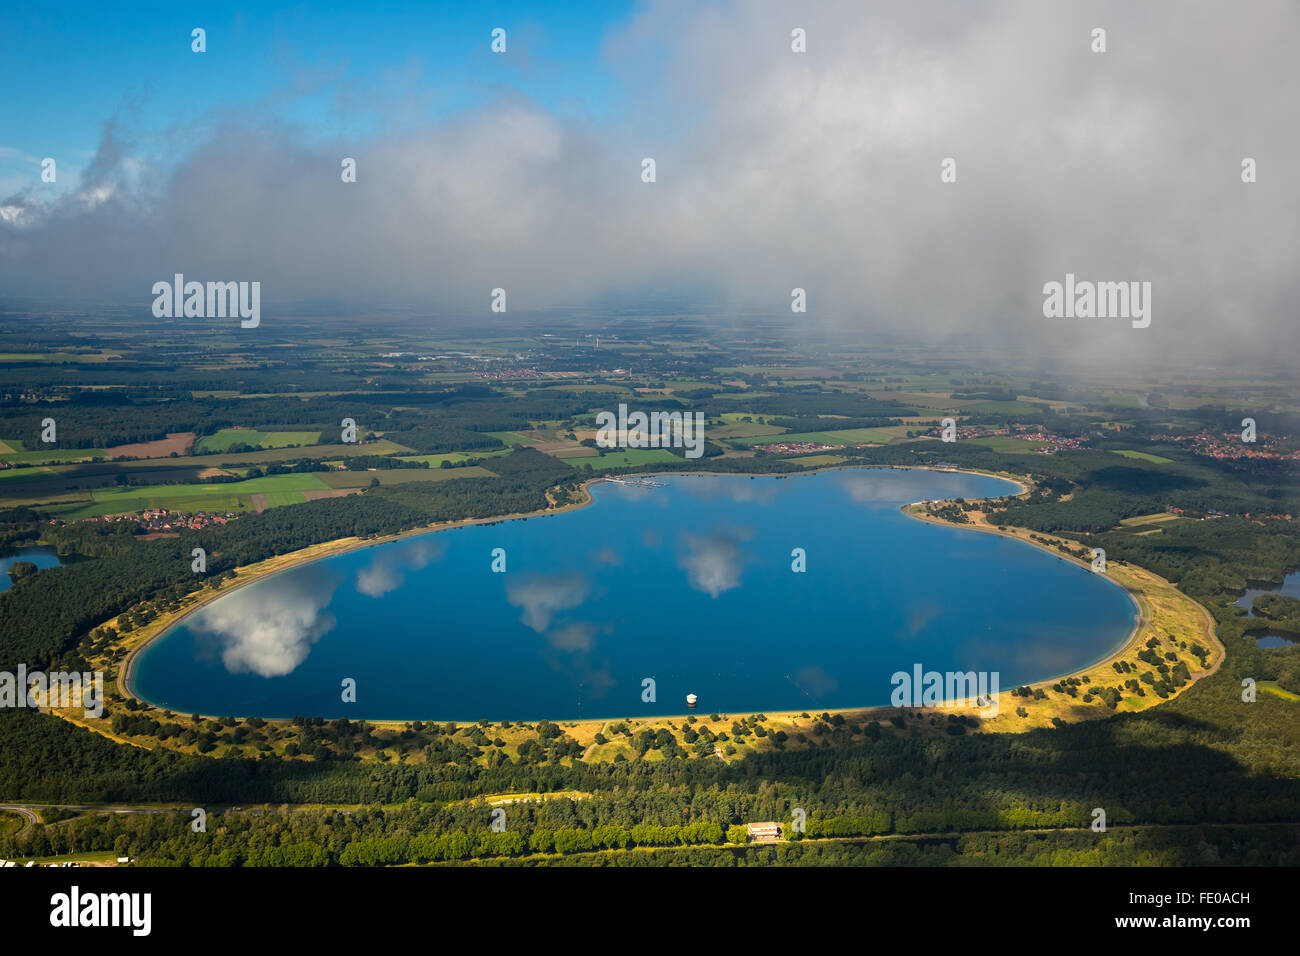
x,y
775,169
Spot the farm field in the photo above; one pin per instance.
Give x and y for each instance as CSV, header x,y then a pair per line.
x,y
229,496
623,459
821,461
336,452
514,438
743,430
1145,456
44,456
435,461
1006,443
850,436
1147,519
16,475
224,439
399,476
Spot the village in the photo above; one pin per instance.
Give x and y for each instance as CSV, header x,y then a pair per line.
x,y
1052,443
155,522
1229,445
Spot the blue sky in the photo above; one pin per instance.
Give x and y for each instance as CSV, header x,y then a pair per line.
x,y
319,65
779,166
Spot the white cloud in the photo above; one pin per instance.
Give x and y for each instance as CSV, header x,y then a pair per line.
x,y
776,169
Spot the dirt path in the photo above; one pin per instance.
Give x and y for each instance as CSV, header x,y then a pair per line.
x,y
593,745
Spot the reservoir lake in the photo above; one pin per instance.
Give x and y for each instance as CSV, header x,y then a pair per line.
x,y
688,582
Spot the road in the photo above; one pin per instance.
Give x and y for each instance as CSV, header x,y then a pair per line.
x,y
27,813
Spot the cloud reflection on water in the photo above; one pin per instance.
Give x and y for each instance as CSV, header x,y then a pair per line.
x,y
268,630
542,596
387,571
713,562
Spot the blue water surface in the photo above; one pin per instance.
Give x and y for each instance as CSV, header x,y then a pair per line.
x,y
1291,588
689,583
38,555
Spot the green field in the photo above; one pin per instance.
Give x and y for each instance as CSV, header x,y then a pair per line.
x,y
743,430
1144,456
336,453
435,461
21,474
399,476
227,437
819,461
51,454
857,436
227,496
627,458
1005,443
848,436
513,438
1147,519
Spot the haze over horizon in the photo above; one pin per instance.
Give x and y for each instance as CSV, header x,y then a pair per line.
x,y
775,169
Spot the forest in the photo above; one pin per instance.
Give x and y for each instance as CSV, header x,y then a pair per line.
x,y
1205,777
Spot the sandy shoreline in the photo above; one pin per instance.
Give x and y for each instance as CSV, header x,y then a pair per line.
x,y
275,565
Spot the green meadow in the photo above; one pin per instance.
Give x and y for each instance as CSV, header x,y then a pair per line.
x,y
839,438
224,439
400,476
223,496
1005,443
625,458
43,456
455,457
21,474
1147,519
742,430
820,461
1145,456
